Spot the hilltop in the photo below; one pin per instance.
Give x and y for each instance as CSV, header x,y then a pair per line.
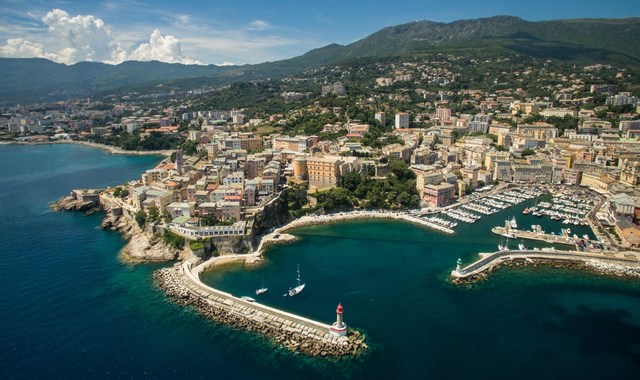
x,y
583,41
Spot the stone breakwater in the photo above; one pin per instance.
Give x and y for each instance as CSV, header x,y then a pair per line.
x,y
595,266
518,263
280,328
613,269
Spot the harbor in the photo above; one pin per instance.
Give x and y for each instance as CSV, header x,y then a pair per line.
x,y
563,237
299,334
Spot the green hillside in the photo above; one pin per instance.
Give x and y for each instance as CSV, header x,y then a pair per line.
x,y
578,41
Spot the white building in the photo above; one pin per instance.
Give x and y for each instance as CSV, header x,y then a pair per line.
x,y
402,120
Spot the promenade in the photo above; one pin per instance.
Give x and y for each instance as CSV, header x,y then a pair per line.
x,y
311,220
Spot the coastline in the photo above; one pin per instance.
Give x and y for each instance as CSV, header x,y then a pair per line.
x,y
108,148
280,235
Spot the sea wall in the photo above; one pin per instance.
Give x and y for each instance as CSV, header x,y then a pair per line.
x,y
605,266
295,333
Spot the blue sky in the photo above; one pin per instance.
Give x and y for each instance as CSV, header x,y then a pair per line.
x,y
223,32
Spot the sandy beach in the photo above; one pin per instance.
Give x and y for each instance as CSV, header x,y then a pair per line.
x,y
108,148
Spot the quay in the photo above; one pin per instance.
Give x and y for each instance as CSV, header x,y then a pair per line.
x,y
530,235
299,334
618,263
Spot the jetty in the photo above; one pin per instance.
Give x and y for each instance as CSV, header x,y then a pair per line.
x,y
299,334
531,235
612,263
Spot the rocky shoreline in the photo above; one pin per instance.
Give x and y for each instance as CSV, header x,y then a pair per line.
x,y
141,245
168,280
72,204
593,266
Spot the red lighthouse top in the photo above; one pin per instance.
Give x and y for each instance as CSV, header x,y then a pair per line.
x,y
339,309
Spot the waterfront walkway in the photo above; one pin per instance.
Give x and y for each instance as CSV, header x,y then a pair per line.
x,y
489,262
311,220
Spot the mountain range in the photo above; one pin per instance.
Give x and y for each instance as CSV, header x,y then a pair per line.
x,y
577,40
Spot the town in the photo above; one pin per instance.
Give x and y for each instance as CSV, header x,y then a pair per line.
x,y
409,134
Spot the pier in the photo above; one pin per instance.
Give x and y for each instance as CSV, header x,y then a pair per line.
x,y
183,285
619,263
530,235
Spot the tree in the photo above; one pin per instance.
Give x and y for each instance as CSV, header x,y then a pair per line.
x,y
528,152
116,191
153,216
141,217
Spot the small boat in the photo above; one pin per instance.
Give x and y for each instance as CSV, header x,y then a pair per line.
x,y
295,291
513,223
522,247
248,299
525,211
262,289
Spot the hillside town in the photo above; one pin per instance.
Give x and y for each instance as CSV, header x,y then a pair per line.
x,y
541,124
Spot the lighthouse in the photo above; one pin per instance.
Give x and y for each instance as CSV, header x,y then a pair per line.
x,y
338,328
458,265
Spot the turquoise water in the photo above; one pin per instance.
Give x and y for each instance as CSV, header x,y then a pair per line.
x,y
70,309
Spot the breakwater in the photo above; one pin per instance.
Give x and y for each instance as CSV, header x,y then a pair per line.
x,y
294,332
622,264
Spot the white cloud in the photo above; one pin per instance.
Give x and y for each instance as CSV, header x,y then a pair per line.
x,y
20,48
161,48
259,25
81,38
225,63
71,39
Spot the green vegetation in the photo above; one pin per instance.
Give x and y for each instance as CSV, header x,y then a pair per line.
x,y
528,152
195,245
398,191
119,192
173,240
141,217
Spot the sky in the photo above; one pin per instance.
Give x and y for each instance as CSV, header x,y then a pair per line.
x,y
226,32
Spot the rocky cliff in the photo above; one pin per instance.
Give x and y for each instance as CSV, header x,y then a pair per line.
x,y
142,245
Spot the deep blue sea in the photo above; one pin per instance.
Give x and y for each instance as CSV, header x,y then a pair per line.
x,y
70,309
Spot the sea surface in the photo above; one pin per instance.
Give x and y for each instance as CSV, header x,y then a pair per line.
x,y
70,309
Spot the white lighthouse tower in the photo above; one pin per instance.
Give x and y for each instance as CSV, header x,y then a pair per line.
x,y
338,328
458,265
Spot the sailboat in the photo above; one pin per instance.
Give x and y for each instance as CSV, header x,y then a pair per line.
x,y
297,289
262,289
512,223
504,247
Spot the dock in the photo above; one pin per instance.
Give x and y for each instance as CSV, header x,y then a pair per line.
x,y
530,235
622,263
300,334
